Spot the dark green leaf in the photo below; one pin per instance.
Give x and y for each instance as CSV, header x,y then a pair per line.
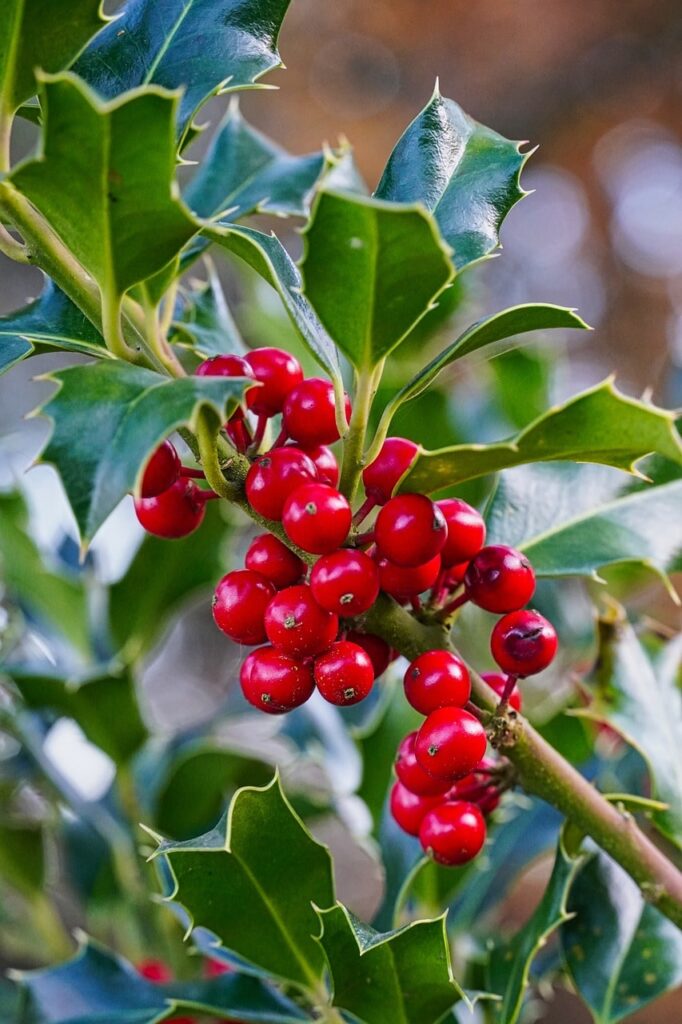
x,y
22,857
464,173
208,321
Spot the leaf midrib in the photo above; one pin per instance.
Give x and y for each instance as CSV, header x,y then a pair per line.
x,y
165,46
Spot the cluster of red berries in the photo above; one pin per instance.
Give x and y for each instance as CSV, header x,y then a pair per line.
x,y
159,973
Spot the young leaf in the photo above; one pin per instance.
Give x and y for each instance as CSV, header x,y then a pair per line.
x,y
252,881
108,417
620,951
208,321
464,173
371,270
400,977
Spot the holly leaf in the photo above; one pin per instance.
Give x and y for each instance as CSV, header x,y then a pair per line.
x,y
464,173
252,881
399,977
204,46
22,857
620,951
371,270
207,321
108,417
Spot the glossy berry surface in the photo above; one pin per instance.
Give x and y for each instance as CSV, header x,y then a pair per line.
x,y
309,414
274,682
408,809
239,605
174,513
273,477
343,673
497,682
411,773
325,463
500,579
450,743
161,471
410,530
273,559
393,461
523,643
380,653
226,366
402,582
278,373
437,679
466,531
317,518
453,833
345,582
295,623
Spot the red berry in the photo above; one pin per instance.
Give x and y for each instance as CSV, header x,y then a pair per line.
x,y
490,801
500,579
380,654
403,582
155,970
345,582
450,743
523,643
343,673
239,605
497,682
273,559
410,530
274,682
174,513
325,463
408,809
393,461
295,623
455,574
273,477
216,968
277,372
466,531
309,414
437,679
412,775
453,833
161,471
226,366
317,518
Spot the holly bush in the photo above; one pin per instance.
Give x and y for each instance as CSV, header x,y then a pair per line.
x,y
382,568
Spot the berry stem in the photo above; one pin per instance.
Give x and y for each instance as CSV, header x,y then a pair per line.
x,y
281,438
364,510
204,496
192,474
454,605
507,692
361,540
416,603
258,434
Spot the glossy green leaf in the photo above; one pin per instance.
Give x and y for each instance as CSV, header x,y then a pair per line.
x,y
207,320
600,425
464,173
108,417
371,270
252,881
40,34
400,977
621,952
22,857
201,45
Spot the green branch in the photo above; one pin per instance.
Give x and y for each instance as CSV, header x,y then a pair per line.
x,y
354,440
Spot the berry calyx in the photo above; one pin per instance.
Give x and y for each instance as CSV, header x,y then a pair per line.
x,y
497,682
499,579
278,373
295,623
239,605
403,582
343,673
345,582
393,461
450,743
161,471
437,679
380,653
410,530
274,682
273,477
523,643
466,531
273,559
453,833
408,809
309,413
317,518
325,463
413,776
174,513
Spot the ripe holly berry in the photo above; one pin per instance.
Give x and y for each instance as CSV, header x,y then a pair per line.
x,y
500,579
408,809
295,623
239,605
174,513
325,463
450,743
403,582
155,970
455,574
393,461
226,366
273,559
317,517
161,471
275,682
410,530
343,673
345,582
413,776
273,477
466,531
380,654
437,679
523,643
277,372
309,414
453,833
497,682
